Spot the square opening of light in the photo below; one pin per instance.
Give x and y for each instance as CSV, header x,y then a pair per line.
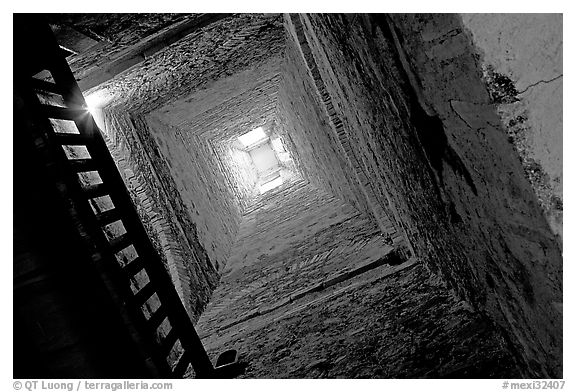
x,y
253,137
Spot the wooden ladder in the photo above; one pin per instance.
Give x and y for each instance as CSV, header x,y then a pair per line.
x,y
44,54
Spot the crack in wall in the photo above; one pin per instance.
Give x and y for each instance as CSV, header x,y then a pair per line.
x,y
540,82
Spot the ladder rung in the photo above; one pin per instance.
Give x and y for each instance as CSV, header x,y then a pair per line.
x,y
107,217
169,341
43,85
157,318
119,243
182,365
64,113
134,266
83,165
145,292
71,139
96,190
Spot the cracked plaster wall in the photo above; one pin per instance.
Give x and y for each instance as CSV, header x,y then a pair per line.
x,y
528,49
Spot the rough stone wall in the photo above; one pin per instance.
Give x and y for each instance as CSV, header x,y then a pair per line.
x,y
234,164
527,48
174,237
230,106
203,187
415,110
197,60
210,189
113,34
290,303
291,239
187,190
304,115
398,326
313,144
418,109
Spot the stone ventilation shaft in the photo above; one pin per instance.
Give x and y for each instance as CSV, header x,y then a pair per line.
x,y
344,195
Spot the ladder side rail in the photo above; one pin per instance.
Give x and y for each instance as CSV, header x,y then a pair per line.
x,y
108,171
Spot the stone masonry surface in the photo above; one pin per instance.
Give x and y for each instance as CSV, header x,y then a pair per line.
x,y
385,116
468,210
294,240
391,322
184,257
203,187
196,61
